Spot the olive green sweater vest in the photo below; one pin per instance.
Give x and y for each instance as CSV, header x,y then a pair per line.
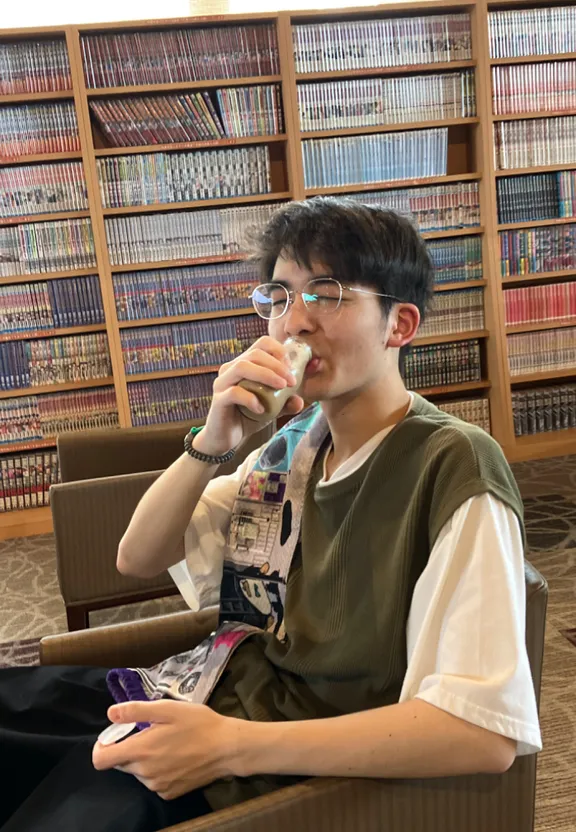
x,y
364,543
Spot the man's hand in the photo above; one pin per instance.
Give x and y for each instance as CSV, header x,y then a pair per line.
x,y
186,747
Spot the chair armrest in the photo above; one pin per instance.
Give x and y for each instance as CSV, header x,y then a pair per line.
x,y
90,518
474,803
139,643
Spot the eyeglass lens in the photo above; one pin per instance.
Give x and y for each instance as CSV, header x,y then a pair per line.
x,y
322,295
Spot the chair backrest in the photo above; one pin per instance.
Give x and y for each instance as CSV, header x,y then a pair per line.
x,y
91,515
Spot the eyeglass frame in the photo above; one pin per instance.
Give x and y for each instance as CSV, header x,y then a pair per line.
x,y
291,295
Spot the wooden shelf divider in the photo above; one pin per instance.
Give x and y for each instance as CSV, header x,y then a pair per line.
x,y
178,319
538,276
387,128
159,207
63,215
537,326
57,388
182,86
394,184
84,329
209,144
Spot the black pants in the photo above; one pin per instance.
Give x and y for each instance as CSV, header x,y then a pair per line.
x,y
49,720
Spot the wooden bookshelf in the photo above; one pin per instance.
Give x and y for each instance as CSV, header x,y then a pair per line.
x,y
31,445
406,69
57,388
394,184
33,97
532,59
182,86
63,215
158,207
512,226
532,114
179,319
537,277
470,159
540,325
7,280
25,335
204,145
450,336
386,128
39,158
178,373
537,169
460,284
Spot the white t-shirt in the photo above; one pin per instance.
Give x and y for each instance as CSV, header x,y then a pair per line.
x,y
465,634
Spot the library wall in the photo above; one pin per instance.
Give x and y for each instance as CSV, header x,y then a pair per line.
x,y
134,158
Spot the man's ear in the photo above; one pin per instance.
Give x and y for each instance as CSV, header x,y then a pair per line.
x,y
403,325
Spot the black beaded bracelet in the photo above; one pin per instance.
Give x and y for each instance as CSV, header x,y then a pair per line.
x,y
208,458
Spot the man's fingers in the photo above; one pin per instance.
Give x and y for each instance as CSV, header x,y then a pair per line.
x,y
160,711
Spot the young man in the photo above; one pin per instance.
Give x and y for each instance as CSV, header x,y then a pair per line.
x,y
368,562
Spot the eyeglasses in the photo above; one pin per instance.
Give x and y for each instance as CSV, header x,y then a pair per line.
x,y
322,296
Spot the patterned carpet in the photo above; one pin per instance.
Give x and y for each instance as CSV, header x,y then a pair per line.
x,y
31,607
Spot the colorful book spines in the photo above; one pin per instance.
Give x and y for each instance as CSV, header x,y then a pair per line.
x,y
537,250
534,142
451,312
543,31
42,189
456,259
26,307
432,208
475,411
365,102
42,247
170,399
32,418
31,129
183,234
544,409
534,304
536,352
529,88
34,66
438,365
156,178
177,55
193,344
159,293
25,479
383,42
539,196
377,157
53,361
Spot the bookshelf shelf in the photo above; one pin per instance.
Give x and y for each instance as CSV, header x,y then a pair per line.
x,y
536,326
189,261
510,226
52,333
63,215
186,371
470,230
141,89
179,319
537,169
395,183
38,158
6,280
387,128
461,284
57,388
453,389
538,277
25,522
30,445
448,337
529,115
441,66
205,145
31,97
543,375
200,203
545,444
530,59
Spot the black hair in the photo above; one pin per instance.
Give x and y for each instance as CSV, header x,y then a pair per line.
x,y
358,243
